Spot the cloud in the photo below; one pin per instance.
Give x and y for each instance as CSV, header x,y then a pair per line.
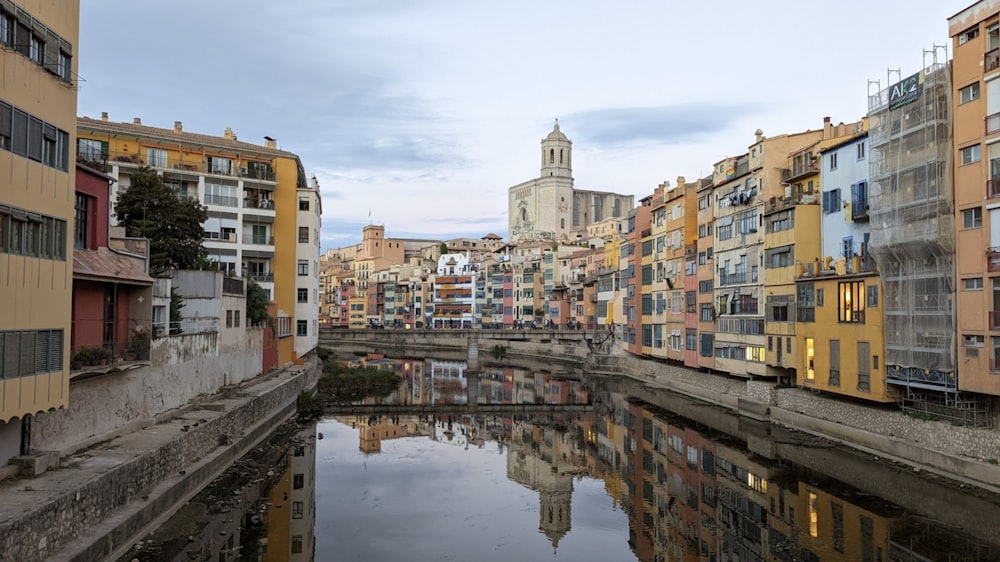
x,y
621,127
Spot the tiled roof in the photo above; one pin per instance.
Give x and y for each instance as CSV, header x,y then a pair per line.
x,y
104,265
145,131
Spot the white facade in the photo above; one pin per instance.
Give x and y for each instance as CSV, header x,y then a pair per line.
x,y
308,222
239,232
844,215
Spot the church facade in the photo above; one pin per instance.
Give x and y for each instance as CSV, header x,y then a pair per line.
x,y
549,208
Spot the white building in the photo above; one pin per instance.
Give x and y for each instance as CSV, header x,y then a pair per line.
x,y
308,223
844,215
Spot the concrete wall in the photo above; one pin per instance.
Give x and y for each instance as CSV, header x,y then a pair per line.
x,y
40,534
184,367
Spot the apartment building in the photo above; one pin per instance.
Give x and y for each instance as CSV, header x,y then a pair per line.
x,y
975,33
705,299
252,195
309,210
38,70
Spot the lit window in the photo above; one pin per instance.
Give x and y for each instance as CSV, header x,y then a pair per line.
x,y
852,302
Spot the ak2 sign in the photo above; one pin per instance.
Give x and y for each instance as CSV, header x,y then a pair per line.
x,y
905,91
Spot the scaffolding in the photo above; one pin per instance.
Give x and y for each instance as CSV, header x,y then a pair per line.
x,y
913,239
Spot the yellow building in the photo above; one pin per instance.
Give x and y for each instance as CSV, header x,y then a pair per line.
x,y
38,67
252,193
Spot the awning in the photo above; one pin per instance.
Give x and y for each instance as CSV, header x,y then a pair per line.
x,y
107,266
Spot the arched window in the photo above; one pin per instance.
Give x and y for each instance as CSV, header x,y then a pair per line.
x,y
552,156
560,156
562,224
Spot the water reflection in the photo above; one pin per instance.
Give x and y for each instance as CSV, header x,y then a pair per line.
x,y
628,479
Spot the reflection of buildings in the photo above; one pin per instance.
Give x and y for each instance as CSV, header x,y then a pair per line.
x,y
448,382
545,459
291,518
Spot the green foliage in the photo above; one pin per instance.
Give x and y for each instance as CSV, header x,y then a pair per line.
x,y
256,303
173,225
176,304
90,356
138,346
499,352
444,248
342,384
309,406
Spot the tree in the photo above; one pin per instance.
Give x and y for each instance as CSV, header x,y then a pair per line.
x,y
256,303
444,248
176,304
173,225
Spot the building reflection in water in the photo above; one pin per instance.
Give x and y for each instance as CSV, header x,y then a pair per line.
x,y
690,493
291,515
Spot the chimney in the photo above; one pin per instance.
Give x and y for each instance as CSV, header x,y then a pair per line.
x,y
178,128
104,116
136,121
228,134
759,134
827,128
270,143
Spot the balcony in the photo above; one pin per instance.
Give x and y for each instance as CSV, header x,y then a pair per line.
x,y
775,204
993,259
859,209
110,354
992,123
991,59
262,277
259,240
732,278
993,188
799,171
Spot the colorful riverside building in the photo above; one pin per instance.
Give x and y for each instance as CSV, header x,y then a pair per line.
x,y
705,299
38,64
975,33
838,312
254,195
791,224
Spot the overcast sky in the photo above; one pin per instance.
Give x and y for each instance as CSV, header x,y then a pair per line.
x,y
423,112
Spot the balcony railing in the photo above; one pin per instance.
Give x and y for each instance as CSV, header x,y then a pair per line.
x,y
859,209
258,203
992,59
259,240
993,188
262,277
992,123
799,171
732,278
109,354
993,259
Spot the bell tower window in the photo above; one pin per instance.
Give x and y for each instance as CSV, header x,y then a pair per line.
x,y
552,156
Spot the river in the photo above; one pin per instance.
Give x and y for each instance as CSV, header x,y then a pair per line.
x,y
620,472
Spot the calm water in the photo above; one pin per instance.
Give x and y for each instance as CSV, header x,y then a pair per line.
x,y
637,475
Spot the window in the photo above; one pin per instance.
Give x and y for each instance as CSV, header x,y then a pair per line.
x,y
229,318
218,165
707,313
779,313
6,25
30,352
831,201
302,295
63,67
835,362
968,35
303,267
851,304
32,235
303,204
92,150
969,93
779,257
297,509
973,284
972,218
221,194
973,341
81,224
236,318
298,481
861,150
303,235
833,161
301,327
864,372
297,544
37,50
872,296
970,154
156,157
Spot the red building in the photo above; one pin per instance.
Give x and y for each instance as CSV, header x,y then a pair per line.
x,y
112,291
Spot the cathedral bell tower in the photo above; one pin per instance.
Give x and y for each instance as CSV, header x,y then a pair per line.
x,y
557,154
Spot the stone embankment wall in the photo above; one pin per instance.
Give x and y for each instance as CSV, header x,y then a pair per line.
x,y
184,367
204,451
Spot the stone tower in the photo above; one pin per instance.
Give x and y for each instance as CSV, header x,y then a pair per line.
x,y
557,155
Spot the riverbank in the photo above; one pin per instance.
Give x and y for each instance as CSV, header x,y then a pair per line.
x,y
102,499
